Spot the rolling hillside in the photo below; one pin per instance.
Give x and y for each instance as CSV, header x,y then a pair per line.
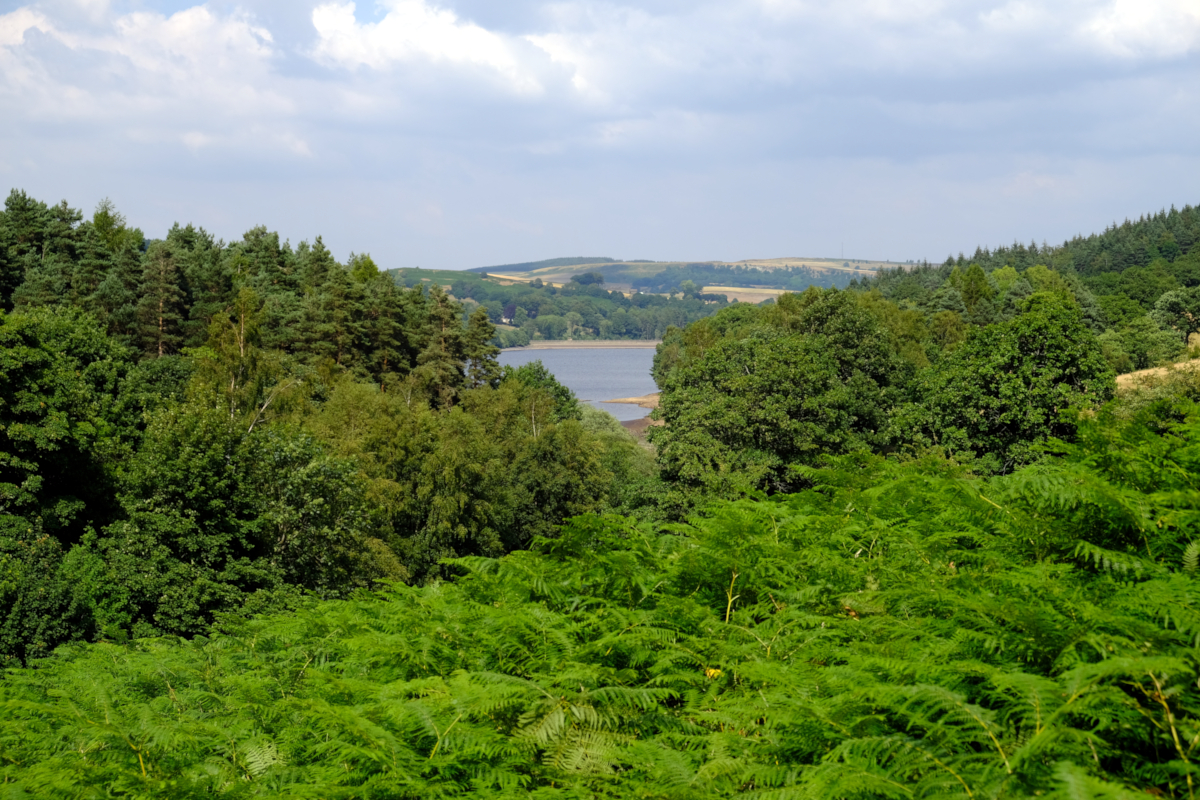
x,y
774,273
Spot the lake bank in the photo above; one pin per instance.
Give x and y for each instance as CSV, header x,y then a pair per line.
x,y
587,344
645,401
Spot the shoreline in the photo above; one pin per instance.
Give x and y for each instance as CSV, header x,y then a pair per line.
x,y
587,344
646,401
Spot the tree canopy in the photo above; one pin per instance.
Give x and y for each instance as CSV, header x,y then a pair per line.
x,y
272,525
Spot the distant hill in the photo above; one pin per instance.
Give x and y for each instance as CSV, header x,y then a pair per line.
x,y
528,266
782,274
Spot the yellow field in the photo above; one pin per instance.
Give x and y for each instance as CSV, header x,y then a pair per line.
x,y
743,294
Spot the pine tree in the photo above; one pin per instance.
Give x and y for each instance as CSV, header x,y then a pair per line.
x,y
314,263
383,330
115,301
208,282
95,261
441,363
46,245
482,369
343,308
22,230
160,306
47,282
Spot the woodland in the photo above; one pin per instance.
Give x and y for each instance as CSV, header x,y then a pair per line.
x,y
582,309
678,278
273,525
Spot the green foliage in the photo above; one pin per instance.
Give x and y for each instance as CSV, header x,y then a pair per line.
x,y
1131,268
59,377
1009,386
635,480
816,376
534,375
41,602
481,478
898,631
299,429
1139,344
1179,311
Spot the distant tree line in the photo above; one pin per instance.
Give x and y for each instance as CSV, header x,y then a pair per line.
x,y
582,309
1137,285
794,278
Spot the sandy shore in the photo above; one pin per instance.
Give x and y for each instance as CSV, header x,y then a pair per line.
x,y
648,401
589,344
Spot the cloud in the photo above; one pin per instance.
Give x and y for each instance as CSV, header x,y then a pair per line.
x,y
194,78
1155,29
14,25
413,30
550,118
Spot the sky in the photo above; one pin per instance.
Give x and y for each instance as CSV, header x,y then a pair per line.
x,y
452,134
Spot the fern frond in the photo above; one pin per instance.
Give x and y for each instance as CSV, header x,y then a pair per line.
x,y
1191,557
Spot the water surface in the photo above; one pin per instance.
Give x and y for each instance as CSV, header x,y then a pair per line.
x,y
596,374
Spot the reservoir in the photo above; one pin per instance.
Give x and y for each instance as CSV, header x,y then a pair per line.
x,y
595,374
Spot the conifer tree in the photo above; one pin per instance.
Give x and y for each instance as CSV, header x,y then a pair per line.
x,y
47,282
22,230
115,301
89,271
160,306
314,263
383,331
110,225
208,283
362,267
482,368
441,363
47,244
343,312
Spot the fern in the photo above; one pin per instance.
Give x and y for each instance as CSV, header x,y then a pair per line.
x,y
900,632
1191,557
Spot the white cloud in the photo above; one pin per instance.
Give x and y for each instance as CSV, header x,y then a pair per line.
x,y
413,30
190,43
1153,28
441,112
195,77
14,25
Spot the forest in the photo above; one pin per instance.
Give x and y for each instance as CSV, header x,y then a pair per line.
x,y
675,278
1138,285
581,309
873,551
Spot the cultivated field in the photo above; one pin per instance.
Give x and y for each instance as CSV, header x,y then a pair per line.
x,y
743,294
621,274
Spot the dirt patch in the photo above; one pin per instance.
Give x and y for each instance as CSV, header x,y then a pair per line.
x,y
1150,377
639,428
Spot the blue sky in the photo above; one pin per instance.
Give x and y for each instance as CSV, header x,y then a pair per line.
x,y
461,133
